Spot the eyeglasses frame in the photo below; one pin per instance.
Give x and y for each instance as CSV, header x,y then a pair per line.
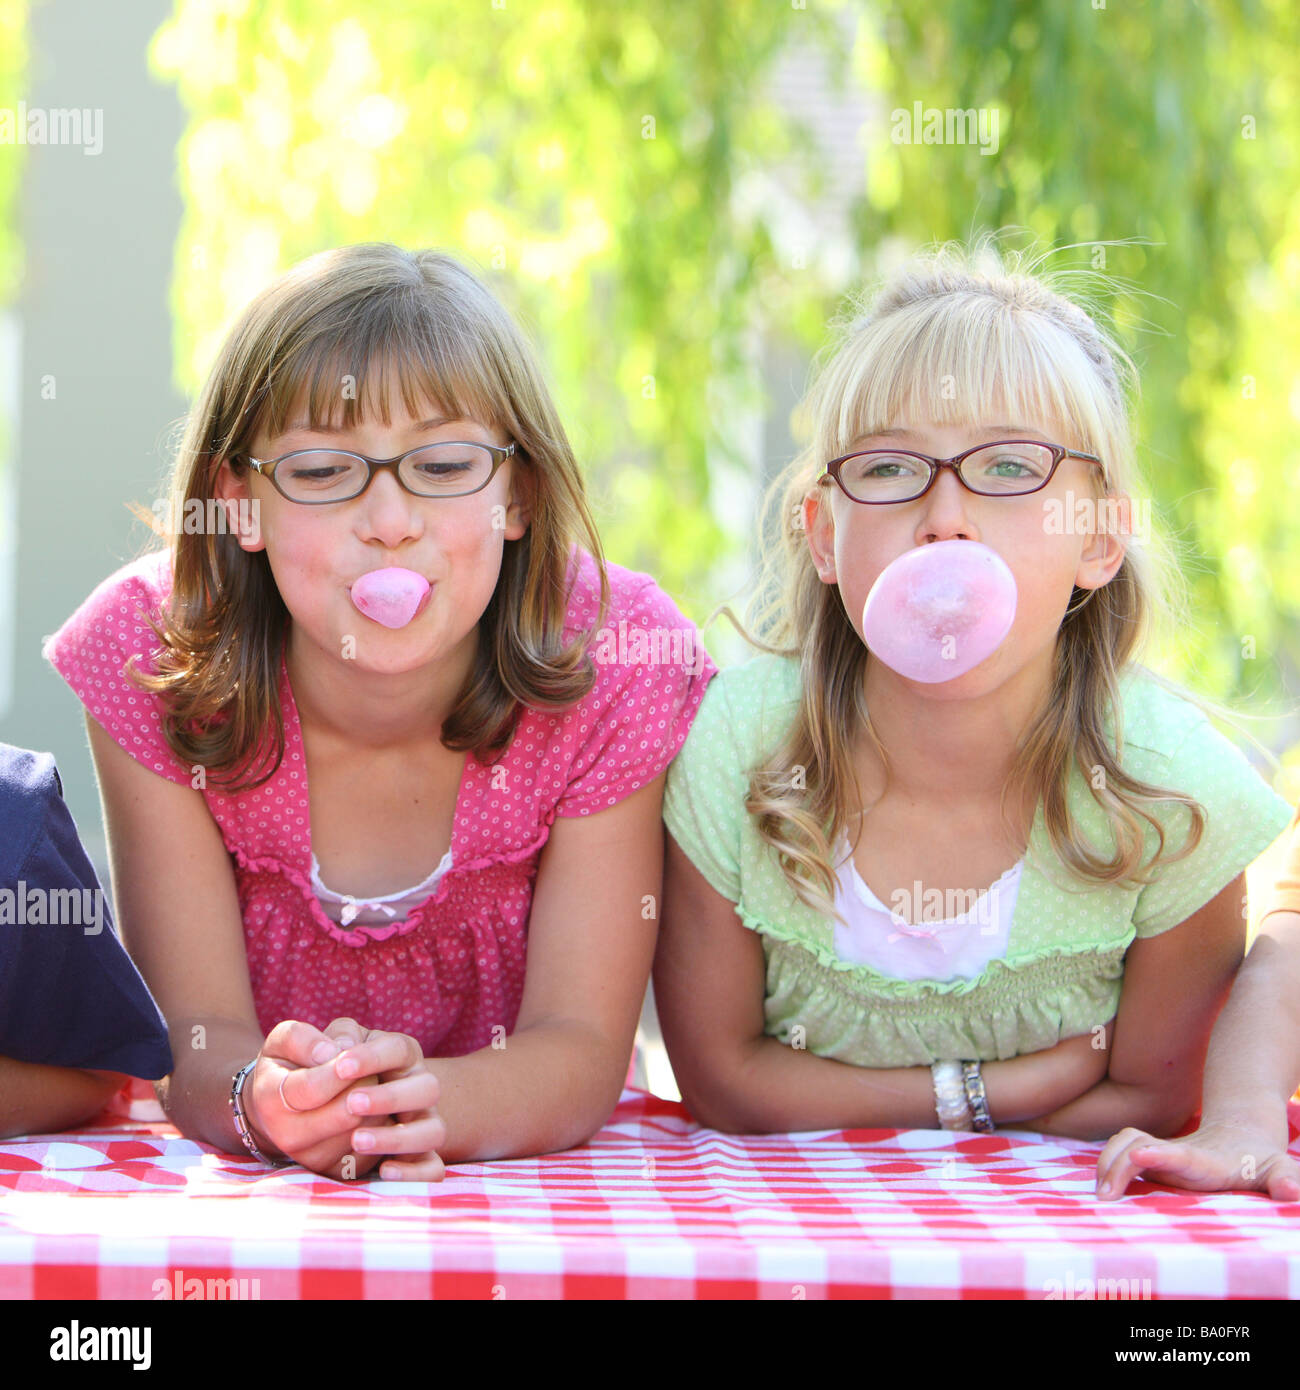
x,y
1059,453
267,467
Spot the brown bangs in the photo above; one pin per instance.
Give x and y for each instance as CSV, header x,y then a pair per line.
x,y
360,357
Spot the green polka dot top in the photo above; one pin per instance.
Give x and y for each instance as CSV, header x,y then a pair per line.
x,y
1064,962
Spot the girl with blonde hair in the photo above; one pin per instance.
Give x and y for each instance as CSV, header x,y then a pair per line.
x,y
1015,896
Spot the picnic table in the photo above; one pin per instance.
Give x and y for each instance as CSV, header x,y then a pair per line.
x,y
654,1206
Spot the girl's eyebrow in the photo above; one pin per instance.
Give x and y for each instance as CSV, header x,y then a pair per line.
x,y
1010,431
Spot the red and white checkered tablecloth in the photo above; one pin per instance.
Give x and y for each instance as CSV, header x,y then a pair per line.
x,y
653,1207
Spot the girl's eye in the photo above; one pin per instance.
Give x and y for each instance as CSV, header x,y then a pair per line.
x,y
884,466
1010,463
317,475
444,470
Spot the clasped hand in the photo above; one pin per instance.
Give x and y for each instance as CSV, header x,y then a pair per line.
x,y
312,1092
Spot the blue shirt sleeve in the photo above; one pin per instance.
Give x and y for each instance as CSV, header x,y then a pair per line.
x,y
70,996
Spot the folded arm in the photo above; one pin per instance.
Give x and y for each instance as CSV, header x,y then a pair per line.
x,y
710,983
1174,986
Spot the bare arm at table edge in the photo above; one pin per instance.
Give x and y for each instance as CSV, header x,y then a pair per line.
x,y
710,980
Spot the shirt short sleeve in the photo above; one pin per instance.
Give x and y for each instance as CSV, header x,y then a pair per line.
x,y
90,652
70,996
1243,817
704,798
652,672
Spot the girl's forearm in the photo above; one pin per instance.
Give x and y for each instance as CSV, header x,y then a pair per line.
x,y
779,1088
1023,1088
196,1096
547,1088
1109,1107
1251,1069
37,1099
1253,1065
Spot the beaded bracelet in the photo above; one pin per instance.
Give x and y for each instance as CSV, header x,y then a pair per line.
x,y
241,1123
976,1097
950,1100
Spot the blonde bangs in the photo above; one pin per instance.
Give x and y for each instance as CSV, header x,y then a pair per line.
x,y
961,360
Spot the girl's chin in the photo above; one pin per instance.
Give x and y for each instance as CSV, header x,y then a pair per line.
x,y
979,680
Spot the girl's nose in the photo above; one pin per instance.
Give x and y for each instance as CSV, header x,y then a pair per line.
x,y
944,515
388,510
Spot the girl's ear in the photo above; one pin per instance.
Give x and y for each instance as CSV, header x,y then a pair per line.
x,y
519,510
817,523
1104,550
243,520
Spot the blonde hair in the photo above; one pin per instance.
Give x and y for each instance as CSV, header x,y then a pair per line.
x,y
951,328
360,311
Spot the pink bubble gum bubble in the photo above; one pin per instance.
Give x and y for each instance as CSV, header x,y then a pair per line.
x,y
390,596
939,610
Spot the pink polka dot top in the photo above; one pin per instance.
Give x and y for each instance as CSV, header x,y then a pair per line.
x,y
452,969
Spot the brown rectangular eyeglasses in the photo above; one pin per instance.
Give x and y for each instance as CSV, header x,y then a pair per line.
x,y
1006,468
316,476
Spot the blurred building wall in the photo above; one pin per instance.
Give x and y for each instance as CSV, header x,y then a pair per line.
x,y
95,402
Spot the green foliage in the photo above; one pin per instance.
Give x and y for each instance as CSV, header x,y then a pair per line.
x,y
13,64
1175,124
13,73
518,135
589,152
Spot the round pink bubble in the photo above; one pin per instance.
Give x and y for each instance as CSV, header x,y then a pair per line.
x,y
939,610
390,596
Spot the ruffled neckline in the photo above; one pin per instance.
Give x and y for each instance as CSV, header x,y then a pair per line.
x,y
865,895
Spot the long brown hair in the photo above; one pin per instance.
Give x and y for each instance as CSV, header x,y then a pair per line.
x,y
372,313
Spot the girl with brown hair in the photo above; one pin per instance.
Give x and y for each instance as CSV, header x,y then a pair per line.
x,y
383,800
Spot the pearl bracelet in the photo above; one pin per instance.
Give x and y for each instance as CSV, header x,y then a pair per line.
x,y
950,1099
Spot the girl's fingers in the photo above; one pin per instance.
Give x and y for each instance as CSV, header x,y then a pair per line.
x,y
1114,1168
305,1104
309,1088
380,1052
346,1032
1203,1167
333,1160
299,1134
418,1091
426,1168
294,1041
1284,1182
413,1137
1213,1160
313,1086
1169,1160
1141,1154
